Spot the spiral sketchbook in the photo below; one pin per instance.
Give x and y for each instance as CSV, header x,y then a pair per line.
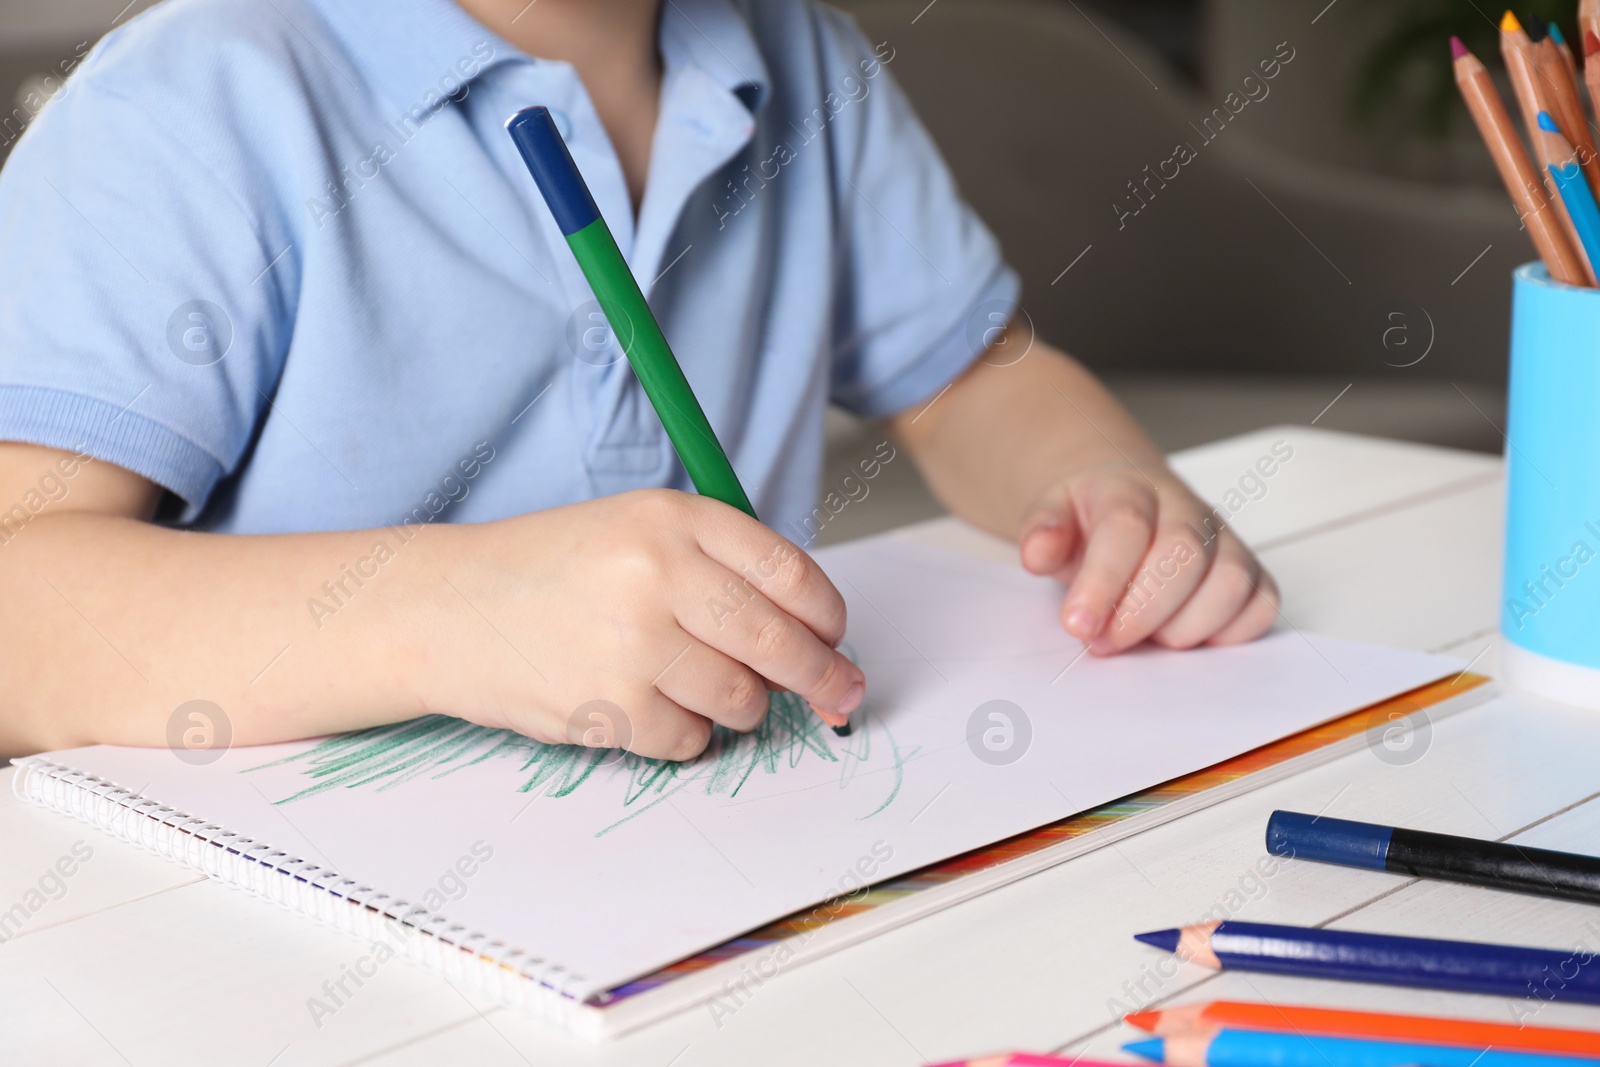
x,y
573,883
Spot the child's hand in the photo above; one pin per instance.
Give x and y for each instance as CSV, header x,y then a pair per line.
x,y
675,608
1142,563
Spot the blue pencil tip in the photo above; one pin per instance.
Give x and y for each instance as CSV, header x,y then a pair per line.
x,y
1166,940
1548,123
1555,34
1151,1048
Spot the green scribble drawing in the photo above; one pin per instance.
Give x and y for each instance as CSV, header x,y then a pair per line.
x,y
386,757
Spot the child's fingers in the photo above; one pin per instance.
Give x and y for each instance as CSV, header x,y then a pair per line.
x,y
715,686
1049,535
772,566
1047,549
662,728
1120,523
1228,586
1255,618
759,634
1172,576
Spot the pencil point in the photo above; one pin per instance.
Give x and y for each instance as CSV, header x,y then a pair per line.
x,y
1509,23
1457,49
1166,940
1591,43
1144,1020
1555,33
843,729
1547,123
1151,1048
1536,28
832,718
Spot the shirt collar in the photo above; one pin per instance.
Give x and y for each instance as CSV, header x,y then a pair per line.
x,y
414,51
435,47
715,36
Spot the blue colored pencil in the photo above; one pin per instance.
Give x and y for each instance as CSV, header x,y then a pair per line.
x,y
1576,195
1462,966
1262,1048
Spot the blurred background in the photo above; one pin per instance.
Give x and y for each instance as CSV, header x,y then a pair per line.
x,y
1335,250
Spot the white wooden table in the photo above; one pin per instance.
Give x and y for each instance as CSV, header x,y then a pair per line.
x,y
140,962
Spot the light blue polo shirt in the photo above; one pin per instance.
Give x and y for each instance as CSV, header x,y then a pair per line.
x,y
281,258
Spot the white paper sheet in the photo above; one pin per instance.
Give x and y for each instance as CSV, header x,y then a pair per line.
x,y
617,872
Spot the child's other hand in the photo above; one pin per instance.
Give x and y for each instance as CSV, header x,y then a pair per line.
x,y
1141,562
675,608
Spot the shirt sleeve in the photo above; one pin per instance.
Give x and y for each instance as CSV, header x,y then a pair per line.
x,y
922,285
141,319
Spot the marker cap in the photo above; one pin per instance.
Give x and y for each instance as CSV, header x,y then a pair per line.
x,y
550,162
1325,840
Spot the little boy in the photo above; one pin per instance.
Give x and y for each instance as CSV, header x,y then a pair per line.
x,y
322,425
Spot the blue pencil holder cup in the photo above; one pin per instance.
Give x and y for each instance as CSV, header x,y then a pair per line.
x,y
1550,617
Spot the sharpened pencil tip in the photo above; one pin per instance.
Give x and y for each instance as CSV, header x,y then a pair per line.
x,y
1457,49
1555,33
843,730
1536,28
1509,23
1591,43
1151,1048
834,719
1167,940
1547,123
1143,1020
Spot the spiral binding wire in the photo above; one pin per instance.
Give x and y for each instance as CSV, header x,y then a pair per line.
x,y
511,976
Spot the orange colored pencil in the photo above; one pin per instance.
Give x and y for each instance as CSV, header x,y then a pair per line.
x,y
1516,50
1329,1022
1527,189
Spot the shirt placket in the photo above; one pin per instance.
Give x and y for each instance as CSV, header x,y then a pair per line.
x,y
701,126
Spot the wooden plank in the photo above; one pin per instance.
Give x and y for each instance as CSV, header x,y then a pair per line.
x,y
1423,576
1330,478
